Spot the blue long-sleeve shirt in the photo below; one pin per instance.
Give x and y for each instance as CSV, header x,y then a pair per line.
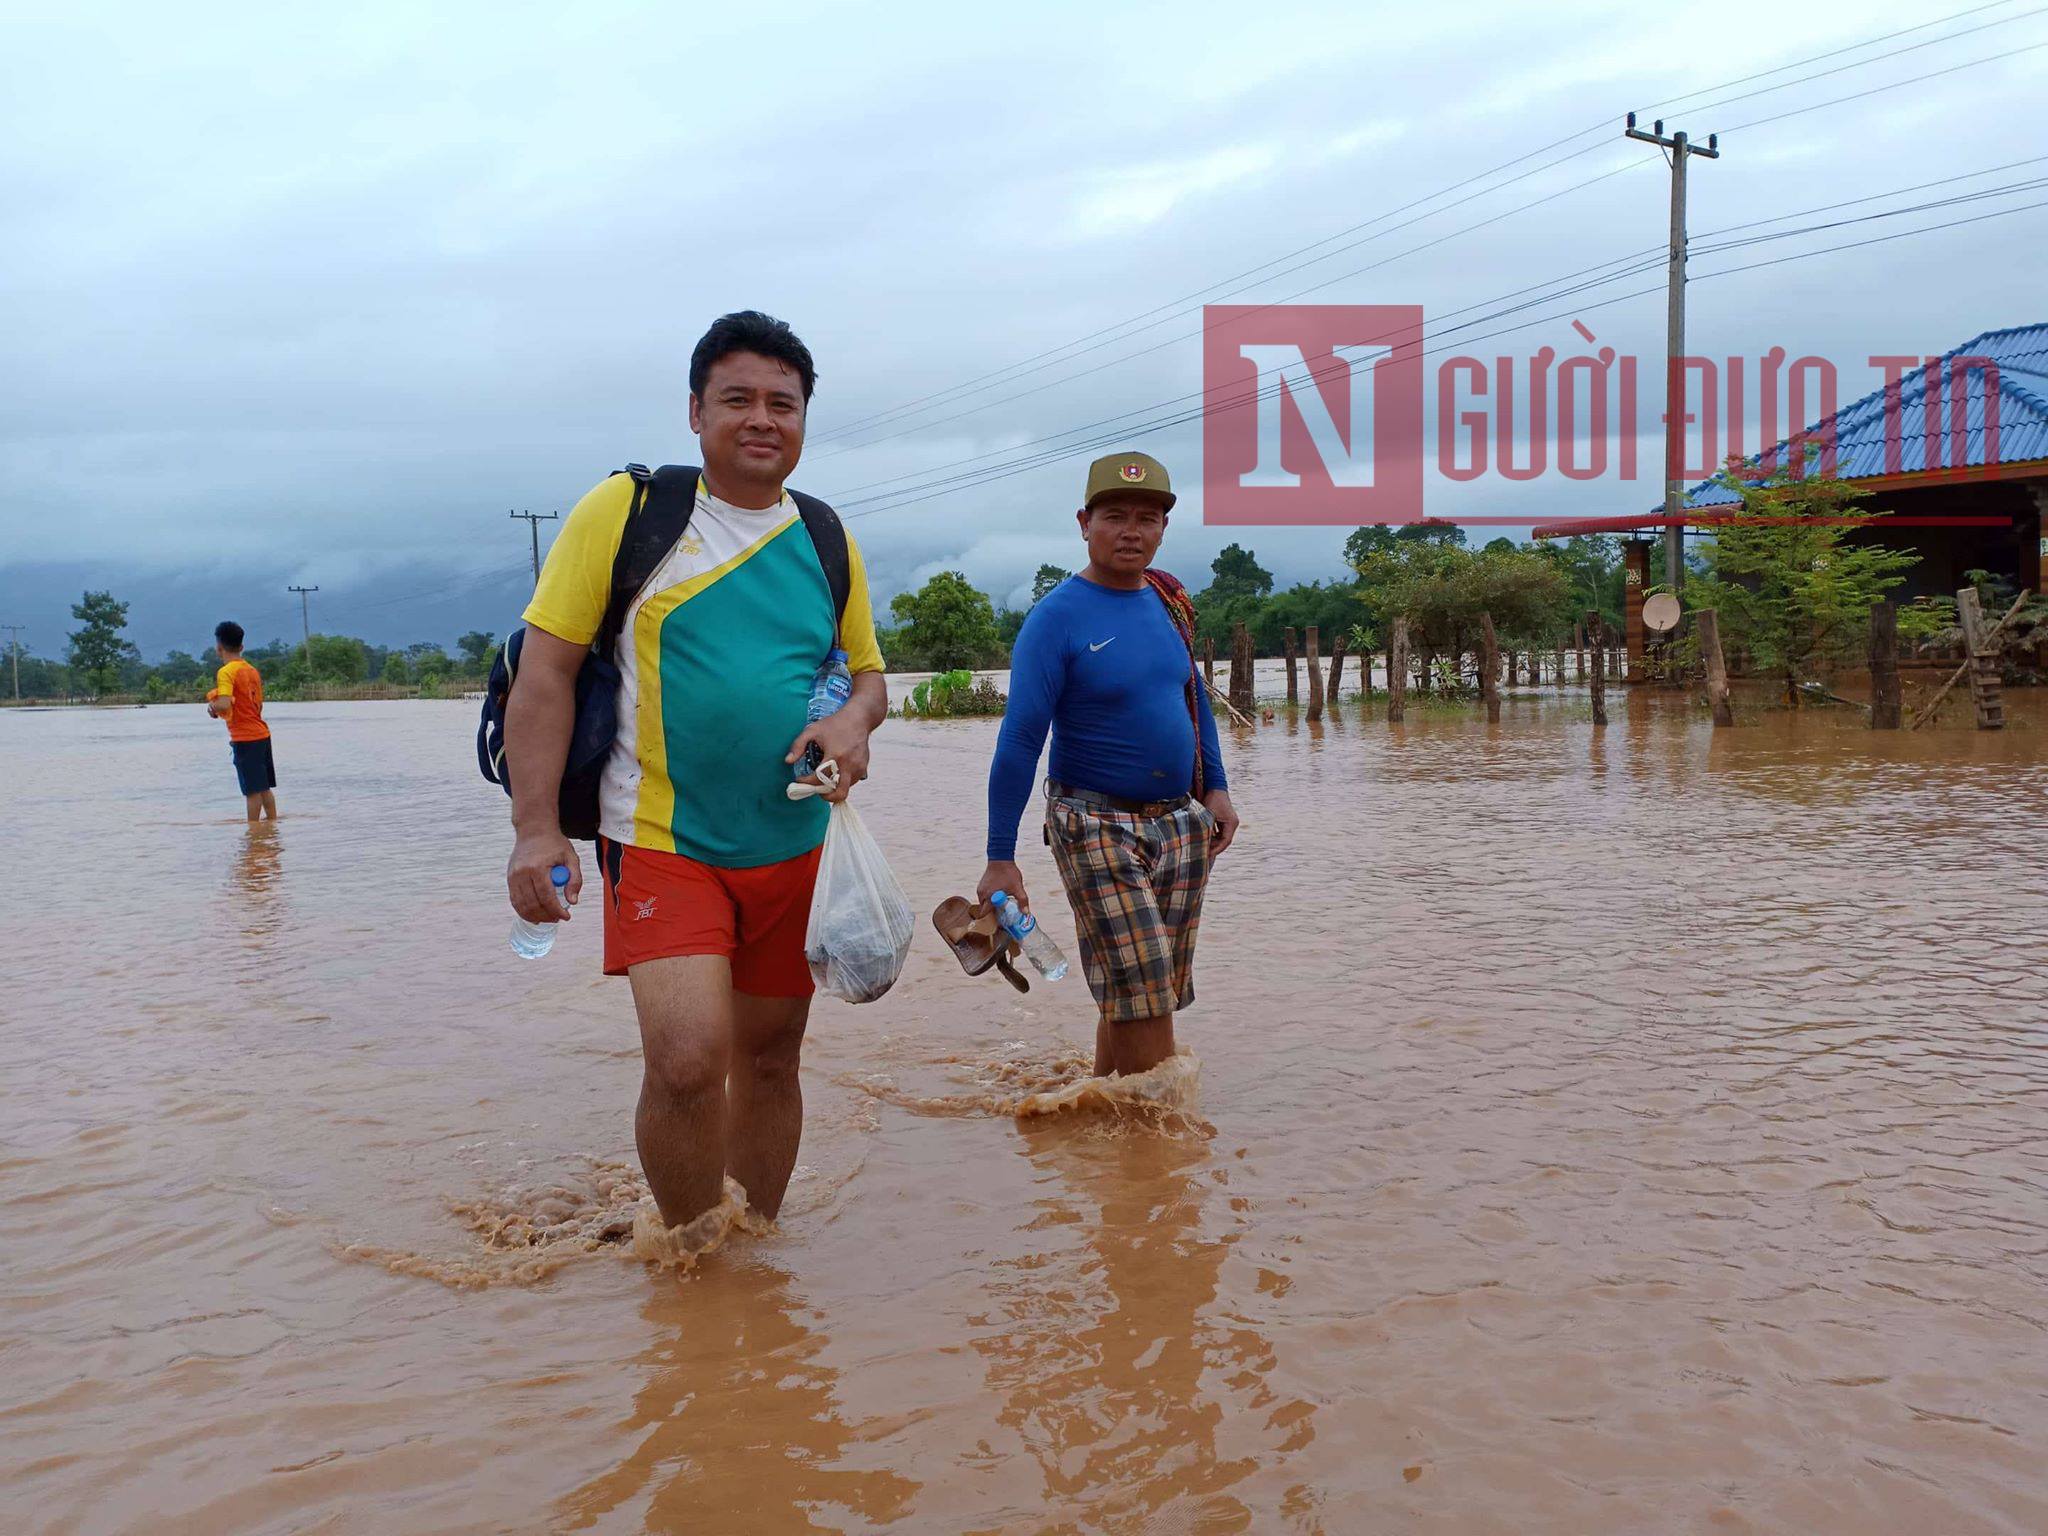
x,y
1107,671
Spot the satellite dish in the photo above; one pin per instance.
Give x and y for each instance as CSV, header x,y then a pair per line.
x,y
1661,612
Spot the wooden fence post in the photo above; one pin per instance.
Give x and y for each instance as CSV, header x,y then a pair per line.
x,y
1886,703
1287,640
1240,667
1558,676
1209,660
1397,673
1596,637
1315,677
1337,648
1489,668
1707,624
1579,649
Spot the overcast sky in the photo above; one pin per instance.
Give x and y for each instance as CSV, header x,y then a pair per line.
x,y
318,299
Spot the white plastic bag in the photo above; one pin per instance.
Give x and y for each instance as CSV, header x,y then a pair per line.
x,y
860,919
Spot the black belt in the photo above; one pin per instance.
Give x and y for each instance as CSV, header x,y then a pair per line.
x,y
1102,802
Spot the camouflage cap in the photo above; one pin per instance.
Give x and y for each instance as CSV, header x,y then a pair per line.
x,y
1128,471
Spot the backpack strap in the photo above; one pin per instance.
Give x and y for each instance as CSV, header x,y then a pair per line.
x,y
1180,610
828,536
663,501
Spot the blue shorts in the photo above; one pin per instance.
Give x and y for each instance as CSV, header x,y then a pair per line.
x,y
253,765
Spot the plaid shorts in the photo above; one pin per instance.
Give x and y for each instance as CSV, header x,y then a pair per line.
x,y
1135,882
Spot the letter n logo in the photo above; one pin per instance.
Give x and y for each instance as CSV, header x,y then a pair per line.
x,y
1312,414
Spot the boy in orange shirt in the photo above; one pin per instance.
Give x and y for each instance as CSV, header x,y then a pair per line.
x,y
237,697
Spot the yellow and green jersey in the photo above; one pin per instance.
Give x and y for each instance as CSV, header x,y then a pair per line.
x,y
715,658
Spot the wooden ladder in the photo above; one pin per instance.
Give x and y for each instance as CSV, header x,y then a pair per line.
x,y
1986,688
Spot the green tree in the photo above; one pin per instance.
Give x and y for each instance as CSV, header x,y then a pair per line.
x,y
1048,577
1790,587
1373,539
97,650
947,623
337,659
1378,538
476,649
1594,578
42,678
396,672
1441,589
1522,590
1237,573
180,671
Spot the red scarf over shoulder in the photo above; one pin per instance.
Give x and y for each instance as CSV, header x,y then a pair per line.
x,y
1181,609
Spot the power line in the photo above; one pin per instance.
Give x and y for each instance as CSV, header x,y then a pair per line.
x,y
1545,291
1499,307
1919,186
1895,53
1130,327
1259,309
1933,74
2008,190
917,494
1852,245
995,377
469,582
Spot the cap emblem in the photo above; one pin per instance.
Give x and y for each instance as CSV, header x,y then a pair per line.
x,y
1133,472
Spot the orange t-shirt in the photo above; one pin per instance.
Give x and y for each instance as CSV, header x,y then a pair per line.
x,y
242,686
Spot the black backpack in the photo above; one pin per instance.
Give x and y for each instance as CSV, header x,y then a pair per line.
x,y
663,500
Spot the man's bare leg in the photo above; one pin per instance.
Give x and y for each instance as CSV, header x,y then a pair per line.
x,y
269,798
254,803
1124,1047
764,1099
686,1027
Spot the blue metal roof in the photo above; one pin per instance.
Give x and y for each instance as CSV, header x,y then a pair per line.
x,y
2021,355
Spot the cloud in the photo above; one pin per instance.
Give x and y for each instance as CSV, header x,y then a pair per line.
x,y
1120,202
318,296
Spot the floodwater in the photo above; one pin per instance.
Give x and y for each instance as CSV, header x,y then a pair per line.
x,y
1594,1135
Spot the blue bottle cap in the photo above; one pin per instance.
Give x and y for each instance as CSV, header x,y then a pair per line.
x,y
836,654
560,875
997,898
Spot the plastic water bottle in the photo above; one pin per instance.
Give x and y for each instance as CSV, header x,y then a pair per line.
x,y
830,690
532,940
1020,925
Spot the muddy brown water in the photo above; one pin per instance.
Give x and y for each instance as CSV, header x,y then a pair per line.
x,y
1647,1134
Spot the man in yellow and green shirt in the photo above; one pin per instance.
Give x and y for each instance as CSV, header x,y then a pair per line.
x,y
707,863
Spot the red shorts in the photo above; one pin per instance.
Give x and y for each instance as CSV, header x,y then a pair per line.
x,y
661,905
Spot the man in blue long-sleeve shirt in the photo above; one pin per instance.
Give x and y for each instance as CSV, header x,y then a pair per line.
x,y
1138,806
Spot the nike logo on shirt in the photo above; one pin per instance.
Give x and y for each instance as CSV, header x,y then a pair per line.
x,y
1098,645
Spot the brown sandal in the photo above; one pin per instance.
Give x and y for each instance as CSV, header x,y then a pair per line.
x,y
977,943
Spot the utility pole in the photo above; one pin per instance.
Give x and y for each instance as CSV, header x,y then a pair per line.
x,y
533,522
14,654
1681,149
305,618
